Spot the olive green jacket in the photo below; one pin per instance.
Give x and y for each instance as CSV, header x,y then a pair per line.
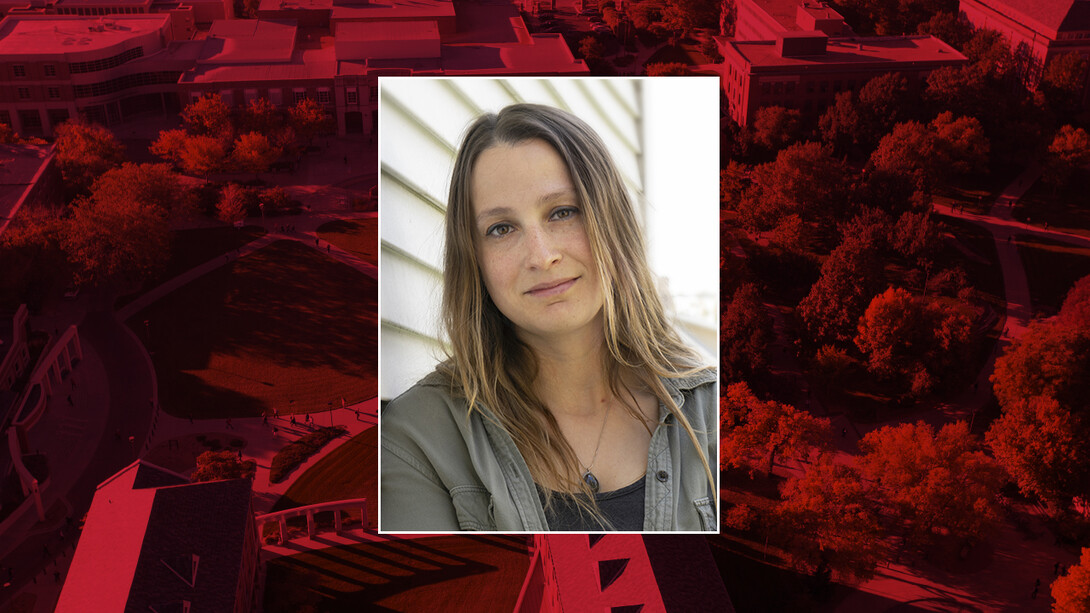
x,y
442,471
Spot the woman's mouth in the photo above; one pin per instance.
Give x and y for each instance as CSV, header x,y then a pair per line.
x,y
551,288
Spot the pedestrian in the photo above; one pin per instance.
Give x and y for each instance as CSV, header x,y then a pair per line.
x,y
1046,225
275,431
276,413
264,419
316,241
1008,238
70,400
327,247
357,414
293,420
239,455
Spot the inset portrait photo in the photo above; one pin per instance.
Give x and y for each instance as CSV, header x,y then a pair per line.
x,y
549,304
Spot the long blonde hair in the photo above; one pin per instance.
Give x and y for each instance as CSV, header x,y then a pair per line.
x,y
488,364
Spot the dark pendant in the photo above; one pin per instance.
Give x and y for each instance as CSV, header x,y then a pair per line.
x,y
591,480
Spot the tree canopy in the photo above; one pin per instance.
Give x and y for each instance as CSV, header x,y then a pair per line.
x,y
754,431
84,152
1072,591
937,480
829,519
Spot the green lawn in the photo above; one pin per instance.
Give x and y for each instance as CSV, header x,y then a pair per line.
x,y
285,327
449,573
196,246
191,248
349,471
358,236
1052,267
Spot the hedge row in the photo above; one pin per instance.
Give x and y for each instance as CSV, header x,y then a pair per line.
x,y
295,453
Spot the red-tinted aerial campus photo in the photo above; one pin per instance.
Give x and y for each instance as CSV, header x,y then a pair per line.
x,y
190,394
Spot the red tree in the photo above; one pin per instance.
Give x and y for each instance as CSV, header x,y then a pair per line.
x,y
1072,591
84,152
828,519
938,481
753,431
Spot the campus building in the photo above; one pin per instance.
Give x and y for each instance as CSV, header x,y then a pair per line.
x,y
55,67
800,54
1038,31
153,541
622,572
806,70
141,56
766,19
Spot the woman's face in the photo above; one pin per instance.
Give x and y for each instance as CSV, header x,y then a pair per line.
x,y
531,242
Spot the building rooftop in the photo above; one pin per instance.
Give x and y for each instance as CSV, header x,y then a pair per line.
x,y
248,41
785,12
104,562
79,3
303,64
387,10
855,50
543,54
1047,16
367,31
493,39
22,35
193,547
149,541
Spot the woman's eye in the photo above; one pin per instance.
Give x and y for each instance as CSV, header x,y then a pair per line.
x,y
565,213
500,229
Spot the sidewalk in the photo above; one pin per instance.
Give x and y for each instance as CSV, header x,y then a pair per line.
x,y
262,443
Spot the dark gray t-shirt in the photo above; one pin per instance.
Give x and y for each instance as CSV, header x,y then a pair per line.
x,y
622,508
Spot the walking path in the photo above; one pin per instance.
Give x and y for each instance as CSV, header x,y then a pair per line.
x,y
262,442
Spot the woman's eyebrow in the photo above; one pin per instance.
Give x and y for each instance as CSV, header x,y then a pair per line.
x,y
498,211
559,194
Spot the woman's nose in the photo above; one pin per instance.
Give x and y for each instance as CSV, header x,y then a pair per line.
x,y
543,250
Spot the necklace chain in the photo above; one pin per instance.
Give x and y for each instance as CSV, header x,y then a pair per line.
x,y
588,476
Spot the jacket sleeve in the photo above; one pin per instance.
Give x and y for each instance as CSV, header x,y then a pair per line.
x,y
412,496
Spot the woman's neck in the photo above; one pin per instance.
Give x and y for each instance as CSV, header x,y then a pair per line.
x,y
571,377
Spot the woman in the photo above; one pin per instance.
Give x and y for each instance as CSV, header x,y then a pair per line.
x,y
568,401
